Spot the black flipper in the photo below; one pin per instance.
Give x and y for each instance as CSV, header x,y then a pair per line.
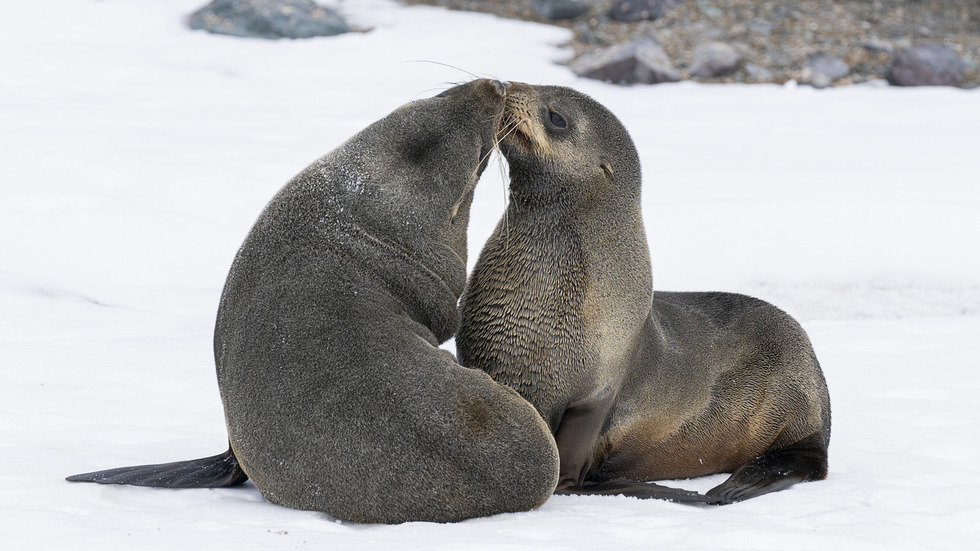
x,y
776,470
217,471
642,490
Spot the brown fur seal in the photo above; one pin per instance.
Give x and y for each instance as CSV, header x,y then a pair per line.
x,y
336,396
635,386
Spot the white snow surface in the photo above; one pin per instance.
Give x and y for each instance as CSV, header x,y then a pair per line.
x,y
135,154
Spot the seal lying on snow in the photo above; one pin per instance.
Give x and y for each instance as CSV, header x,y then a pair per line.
x,y
635,386
336,396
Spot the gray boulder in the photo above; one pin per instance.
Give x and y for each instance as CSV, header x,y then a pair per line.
x,y
821,70
268,19
628,11
560,9
930,65
714,59
641,61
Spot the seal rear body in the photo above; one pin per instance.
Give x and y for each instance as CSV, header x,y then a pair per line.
x,y
721,381
336,395
635,386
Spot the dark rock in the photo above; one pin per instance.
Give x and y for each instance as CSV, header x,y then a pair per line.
x,y
628,11
642,61
714,59
931,65
822,70
560,9
268,19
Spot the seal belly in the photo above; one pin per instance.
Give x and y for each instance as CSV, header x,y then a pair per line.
x,y
663,449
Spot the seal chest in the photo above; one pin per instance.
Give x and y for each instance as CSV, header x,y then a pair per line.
x,y
635,386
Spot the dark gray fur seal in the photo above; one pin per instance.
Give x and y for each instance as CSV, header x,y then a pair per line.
x,y
636,386
336,396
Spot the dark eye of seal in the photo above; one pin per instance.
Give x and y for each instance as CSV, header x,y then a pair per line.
x,y
557,120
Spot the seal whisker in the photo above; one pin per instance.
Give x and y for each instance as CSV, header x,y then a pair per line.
x,y
428,90
506,130
503,187
474,76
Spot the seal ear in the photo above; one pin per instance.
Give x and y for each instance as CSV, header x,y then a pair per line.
x,y
606,167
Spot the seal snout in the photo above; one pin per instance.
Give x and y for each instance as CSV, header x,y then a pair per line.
x,y
519,129
501,87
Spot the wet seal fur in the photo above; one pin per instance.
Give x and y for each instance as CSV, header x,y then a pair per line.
x,y
336,396
635,385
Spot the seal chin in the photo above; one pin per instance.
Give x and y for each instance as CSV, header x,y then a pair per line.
x,y
516,143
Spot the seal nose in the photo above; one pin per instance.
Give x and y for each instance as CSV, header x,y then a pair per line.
x,y
500,87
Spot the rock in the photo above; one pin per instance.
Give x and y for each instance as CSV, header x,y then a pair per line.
x,y
641,61
758,73
714,59
821,70
760,26
268,19
877,46
930,65
586,34
709,9
629,11
560,9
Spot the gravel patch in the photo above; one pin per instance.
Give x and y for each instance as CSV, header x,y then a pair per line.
x,y
818,42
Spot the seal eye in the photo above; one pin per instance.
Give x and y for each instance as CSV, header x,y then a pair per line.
x,y
557,120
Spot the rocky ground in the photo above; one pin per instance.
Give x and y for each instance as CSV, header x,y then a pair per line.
x,y
818,42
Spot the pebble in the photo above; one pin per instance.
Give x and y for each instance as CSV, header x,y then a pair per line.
x,y
714,59
821,70
557,10
930,65
640,10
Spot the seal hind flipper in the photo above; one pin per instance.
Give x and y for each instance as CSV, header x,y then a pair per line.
x,y
641,490
776,470
217,471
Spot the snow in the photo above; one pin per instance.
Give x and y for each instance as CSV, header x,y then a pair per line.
x,y
136,154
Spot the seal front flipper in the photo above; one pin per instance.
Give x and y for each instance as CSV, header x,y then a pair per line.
x,y
576,437
775,470
217,471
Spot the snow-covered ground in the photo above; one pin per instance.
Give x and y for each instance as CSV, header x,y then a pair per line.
x,y
135,154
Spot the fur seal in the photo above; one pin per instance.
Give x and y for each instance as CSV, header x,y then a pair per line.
x,y
336,396
635,386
